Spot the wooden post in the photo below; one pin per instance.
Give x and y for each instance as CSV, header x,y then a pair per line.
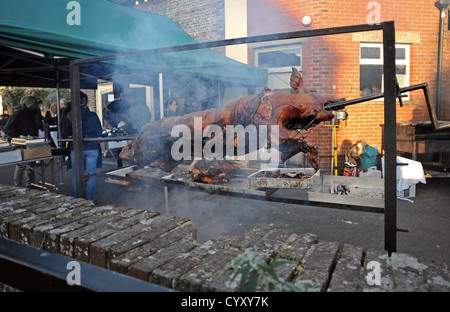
x,y
390,139
77,134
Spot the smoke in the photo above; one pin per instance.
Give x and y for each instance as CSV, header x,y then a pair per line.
x,y
193,93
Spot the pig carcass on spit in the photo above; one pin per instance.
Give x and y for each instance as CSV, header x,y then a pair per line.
x,y
293,110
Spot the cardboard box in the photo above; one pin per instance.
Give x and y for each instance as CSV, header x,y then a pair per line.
x,y
10,156
408,193
36,152
116,144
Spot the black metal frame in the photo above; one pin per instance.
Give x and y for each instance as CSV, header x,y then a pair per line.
x,y
390,94
29,268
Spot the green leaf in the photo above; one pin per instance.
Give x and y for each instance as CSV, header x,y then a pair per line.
x,y
262,264
245,273
253,281
64,216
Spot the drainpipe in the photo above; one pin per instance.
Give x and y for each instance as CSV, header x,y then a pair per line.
x,y
442,5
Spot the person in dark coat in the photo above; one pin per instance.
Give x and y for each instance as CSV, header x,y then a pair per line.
x,y
91,128
128,114
3,119
27,121
51,124
172,108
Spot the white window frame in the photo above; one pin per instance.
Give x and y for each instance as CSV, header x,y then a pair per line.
x,y
379,61
285,69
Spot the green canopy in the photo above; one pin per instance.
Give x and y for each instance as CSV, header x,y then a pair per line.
x,y
105,28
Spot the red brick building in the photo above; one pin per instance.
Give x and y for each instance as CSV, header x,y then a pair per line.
x,y
340,64
346,65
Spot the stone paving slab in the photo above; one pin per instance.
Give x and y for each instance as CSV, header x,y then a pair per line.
x,y
163,249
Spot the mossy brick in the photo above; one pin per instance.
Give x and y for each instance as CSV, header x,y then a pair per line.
x,y
437,277
85,215
199,277
297,246
168,274
67,239
25,202
41,202
213,267
265,248
6,193
272,242
18,215
386,280
251,238
11,191
121,263
284,272
312,281
169,227
6,187
408,273
21,230
24,207
319,264
346,275
143,268
12,224
41,232
407,281
82,243
98,250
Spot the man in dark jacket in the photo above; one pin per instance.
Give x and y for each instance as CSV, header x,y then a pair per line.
x,y
26,121
91,128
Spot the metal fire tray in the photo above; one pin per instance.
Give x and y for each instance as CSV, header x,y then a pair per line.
x,y
258,180
29,142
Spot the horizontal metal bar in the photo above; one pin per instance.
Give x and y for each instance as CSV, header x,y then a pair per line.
x,y
243,40
341,105
29,268
421,86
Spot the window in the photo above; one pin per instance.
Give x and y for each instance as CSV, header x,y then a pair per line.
x,y
371,67
279,61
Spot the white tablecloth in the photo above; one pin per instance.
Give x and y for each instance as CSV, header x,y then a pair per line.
x,y
409,174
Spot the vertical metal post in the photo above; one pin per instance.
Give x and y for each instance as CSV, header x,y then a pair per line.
x,y
390,138
58,110
161,97
166,198
77,134
333,142
439,63
58,120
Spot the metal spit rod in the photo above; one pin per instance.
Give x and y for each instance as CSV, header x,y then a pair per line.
x,y
423,86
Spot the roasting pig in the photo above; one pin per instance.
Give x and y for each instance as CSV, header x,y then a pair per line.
x,y
293,110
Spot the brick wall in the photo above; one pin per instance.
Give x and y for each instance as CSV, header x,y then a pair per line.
x,y
202,20
331,63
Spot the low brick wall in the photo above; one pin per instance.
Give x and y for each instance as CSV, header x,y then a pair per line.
x,y
163,250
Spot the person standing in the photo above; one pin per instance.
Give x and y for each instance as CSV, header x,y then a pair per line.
x,y
27,121
91,128
172,108
51,125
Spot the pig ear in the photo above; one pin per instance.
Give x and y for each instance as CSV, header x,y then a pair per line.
x,y
296,79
